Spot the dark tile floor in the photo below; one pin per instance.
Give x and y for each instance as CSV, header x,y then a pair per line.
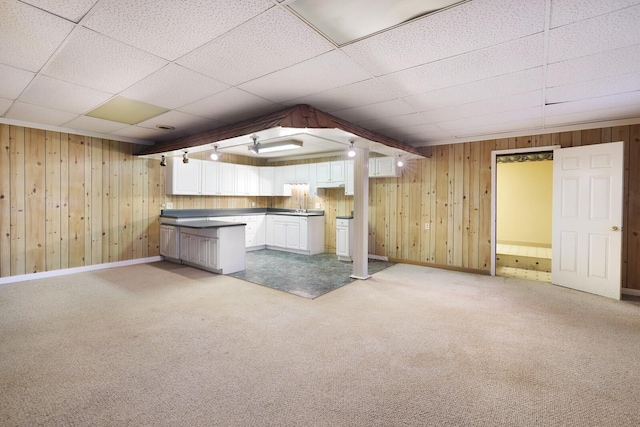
x,y
307,276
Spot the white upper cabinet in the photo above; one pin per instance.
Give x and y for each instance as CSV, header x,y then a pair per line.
x,y
289,174
381,167
183,178
280,188
267,181
330,174
247,180
302,173
218,178
348,177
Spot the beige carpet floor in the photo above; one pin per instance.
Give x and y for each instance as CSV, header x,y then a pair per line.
x,y
168,345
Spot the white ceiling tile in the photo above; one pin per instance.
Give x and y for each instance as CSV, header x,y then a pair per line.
x,y
229,106
183,122
379,110
448,33
73,10
286,42
631,99
13,81
353,95
532,125
36,114
327,71
173,86
86,123
138,132
565,12
410,131
599,34
617,113
4,105
493,119
603,64
594,88
93,60
490,106
412,119
59,95
506,58
494,87
170,29
29,35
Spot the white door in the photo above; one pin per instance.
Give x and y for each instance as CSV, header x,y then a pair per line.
x,y
587,218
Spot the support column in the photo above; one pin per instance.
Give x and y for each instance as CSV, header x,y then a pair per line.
x,y
361,214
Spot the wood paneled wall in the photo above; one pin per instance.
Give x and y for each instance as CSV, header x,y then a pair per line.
x,y
68,200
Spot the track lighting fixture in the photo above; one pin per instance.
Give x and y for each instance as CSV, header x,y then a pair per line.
x,y
255,148
216,155
185,159
352,151
163,161
399,161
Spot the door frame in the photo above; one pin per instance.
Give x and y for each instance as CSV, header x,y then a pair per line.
x,y
494,178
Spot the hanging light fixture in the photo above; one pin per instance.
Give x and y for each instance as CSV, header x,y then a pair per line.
x,y
352,150
216,155
163,161
399,161
255,148
185,159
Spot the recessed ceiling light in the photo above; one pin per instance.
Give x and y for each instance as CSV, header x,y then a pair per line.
x,y
347,21
124,110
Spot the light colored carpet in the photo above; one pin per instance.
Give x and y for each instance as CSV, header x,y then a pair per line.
x,y
168,345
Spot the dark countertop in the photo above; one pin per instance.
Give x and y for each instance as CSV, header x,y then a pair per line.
x,y
344,217
201,213
203,224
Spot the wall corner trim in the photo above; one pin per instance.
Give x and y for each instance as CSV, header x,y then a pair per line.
x,y
66,271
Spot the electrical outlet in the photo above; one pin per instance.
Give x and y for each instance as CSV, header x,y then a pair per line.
x,y
317,205
169,205
253,204
427,225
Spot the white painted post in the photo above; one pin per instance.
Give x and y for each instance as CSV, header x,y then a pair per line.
x,y
361,214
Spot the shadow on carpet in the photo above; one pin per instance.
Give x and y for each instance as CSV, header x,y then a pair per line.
x,y
308,276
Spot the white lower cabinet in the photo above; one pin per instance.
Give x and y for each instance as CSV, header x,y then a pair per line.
x,y
220,250
299,234
169,243
344,239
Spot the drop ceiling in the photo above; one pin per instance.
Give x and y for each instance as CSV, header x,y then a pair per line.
x,y
475,70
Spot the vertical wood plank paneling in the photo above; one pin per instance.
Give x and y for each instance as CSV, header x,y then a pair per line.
x,y
466,213
53,208
137,209
414,204
88,215
35,200
76,181
381,217
484,237
576,138
18,223
64,200
566,139
97,196
622,133
391,203
125,208
590,137
633,217
5,202
425,209
458,206
442,199
114,201
106,200
474,205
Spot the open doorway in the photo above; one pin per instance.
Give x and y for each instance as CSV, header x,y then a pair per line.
x,y
522,213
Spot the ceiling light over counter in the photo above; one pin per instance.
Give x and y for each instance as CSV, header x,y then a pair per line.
x,y
290,144
347,21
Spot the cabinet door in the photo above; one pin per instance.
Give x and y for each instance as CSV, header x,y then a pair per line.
x,y
241,180
169,241
289,174
185,243
253,181
348,179
292,234
266,181
198,248
269,232
185,177
261,224
385,166
226,178
337,171
212,254
342,241
323,173
210,178
280,234
303,245
302,173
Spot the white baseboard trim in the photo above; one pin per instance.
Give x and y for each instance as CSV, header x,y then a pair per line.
x,y
65,271
627,291
378,257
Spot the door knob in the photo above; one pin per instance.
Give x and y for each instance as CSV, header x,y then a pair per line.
x,y
614,228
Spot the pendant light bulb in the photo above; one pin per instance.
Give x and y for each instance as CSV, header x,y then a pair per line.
x,y
215,156
352,151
